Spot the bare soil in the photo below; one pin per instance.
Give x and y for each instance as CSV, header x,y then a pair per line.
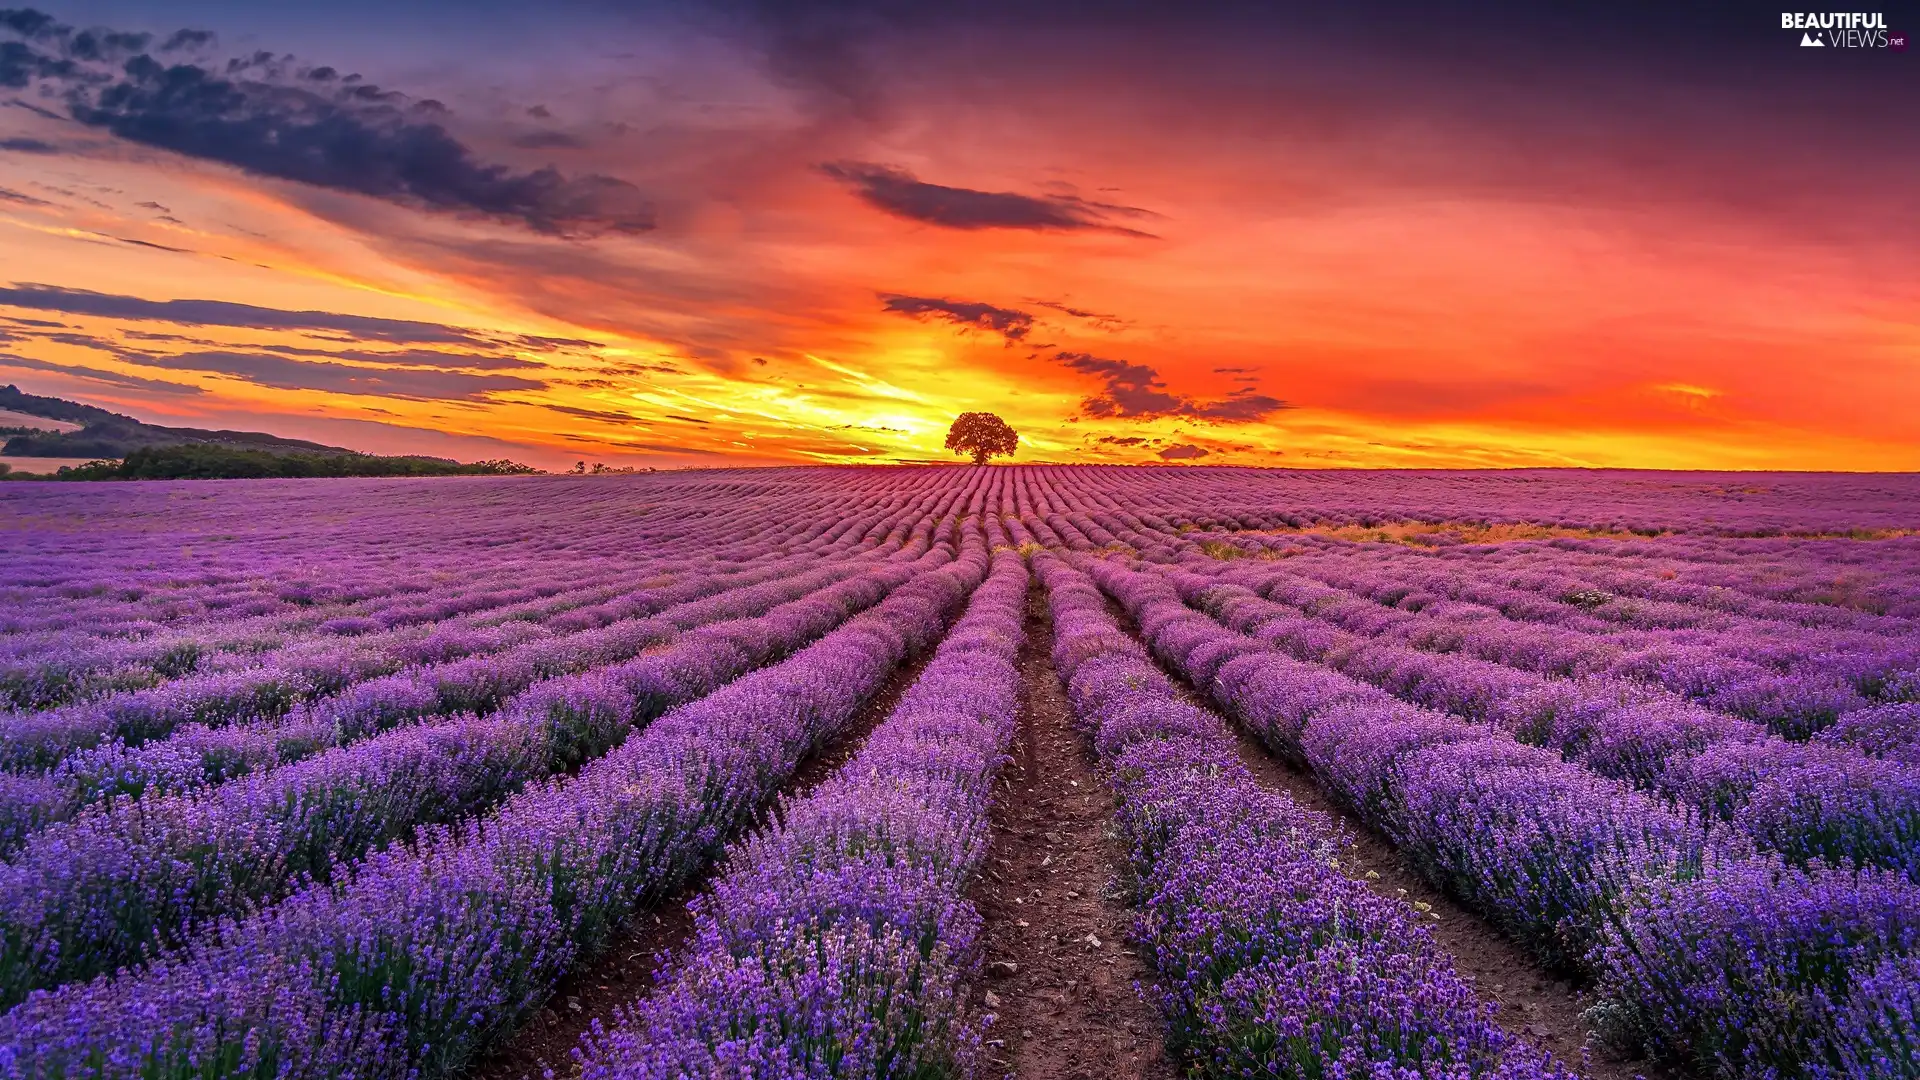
x,y
1068,1009
1535,1004
1540,1006
629,969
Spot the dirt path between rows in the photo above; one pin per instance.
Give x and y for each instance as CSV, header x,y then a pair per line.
x,y
627,972
1068,1009
1535,1004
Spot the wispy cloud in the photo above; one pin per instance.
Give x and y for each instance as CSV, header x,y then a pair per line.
x,y
285,373
225,313
114,378
898,192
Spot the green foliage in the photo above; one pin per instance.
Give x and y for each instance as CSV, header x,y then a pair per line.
x,y
601,468
502,467
206,461
92,470
982,435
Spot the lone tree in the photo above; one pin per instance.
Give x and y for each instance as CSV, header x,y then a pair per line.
x,y
983,435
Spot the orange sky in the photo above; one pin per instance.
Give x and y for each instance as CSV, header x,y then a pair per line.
x,y
1130,254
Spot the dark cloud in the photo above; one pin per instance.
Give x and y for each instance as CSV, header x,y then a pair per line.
x,y
651,448
187,39
28,146
79,341
662,448
641,369
1183,452
132,382
21,64
414,358
32,25
901,194
689,419
223,313
549,140
1243,406
10,195
154,246
106,45
1122,440
1103,321
1136,391
29,106
534,341
284,373
1133,390
257,114
591,414
1009,323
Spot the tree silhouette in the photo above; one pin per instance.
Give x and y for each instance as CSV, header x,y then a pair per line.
x,y
983,435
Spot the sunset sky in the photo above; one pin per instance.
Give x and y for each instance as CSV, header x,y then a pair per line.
x,y
695,234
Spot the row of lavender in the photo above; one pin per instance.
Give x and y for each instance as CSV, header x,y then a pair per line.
x,y
1827,803
423,956
1649,503
107,651
90,895
1555,871
1591,709
278,680
838,943
85,897
466,666
1704,950
1796,680
1273,960
1792,677
1829,582
1811,803
251,734
134,870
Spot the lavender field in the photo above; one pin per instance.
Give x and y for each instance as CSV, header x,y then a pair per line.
x,y
963,772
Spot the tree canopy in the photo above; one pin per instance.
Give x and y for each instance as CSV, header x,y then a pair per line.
x,y
982,435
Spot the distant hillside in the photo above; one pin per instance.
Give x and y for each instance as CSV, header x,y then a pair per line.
x,y
111,435
13,399
123,448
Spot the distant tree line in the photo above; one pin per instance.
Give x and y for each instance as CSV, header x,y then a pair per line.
x,y
205,461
